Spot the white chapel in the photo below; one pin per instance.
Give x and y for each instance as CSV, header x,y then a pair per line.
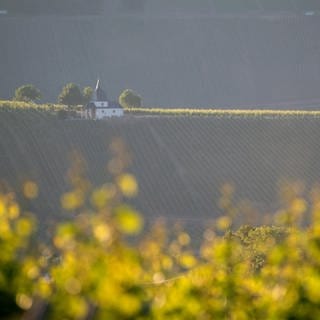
x,y
100,107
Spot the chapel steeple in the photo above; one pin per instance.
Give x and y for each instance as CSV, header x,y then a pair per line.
x,y
99,94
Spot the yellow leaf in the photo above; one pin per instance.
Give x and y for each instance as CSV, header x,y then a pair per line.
x,y
24,301
298,206
44,288
78,307
2,208
102,232
224,223
128,220
187,261
73,286
71,200
184,239
101,196
128,185
14,211
24,227
30,190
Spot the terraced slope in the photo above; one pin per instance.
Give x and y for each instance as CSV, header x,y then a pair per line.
x,y
171,60
180,162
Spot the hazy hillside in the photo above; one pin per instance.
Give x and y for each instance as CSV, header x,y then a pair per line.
x,y
154,6
180,162
171,59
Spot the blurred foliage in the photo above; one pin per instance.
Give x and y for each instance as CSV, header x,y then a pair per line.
x,y
18,265
100,265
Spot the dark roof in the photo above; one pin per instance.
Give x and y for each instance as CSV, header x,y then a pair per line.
x,y
100,94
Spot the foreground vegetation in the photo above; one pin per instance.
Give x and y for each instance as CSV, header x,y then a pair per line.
x,y
97,267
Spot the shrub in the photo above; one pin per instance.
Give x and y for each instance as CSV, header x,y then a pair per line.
x,y
87,95
70,95
130,99
27,93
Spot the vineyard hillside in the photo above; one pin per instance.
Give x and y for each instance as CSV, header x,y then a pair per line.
x,y
175,60
180,162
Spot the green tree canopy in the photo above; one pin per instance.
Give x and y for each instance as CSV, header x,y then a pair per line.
x,y
71,95
87,94
129,99
27,93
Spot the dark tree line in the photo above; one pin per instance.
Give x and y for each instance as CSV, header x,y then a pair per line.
x,y
70,6
133,6
52,6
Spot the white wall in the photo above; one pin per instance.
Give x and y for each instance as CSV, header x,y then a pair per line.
x,y
106,113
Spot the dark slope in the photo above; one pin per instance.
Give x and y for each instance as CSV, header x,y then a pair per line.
x,y
171,60
180,162
71,7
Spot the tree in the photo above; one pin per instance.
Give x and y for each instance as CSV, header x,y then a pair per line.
x,y
70,95
87,94
27,93
129,99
